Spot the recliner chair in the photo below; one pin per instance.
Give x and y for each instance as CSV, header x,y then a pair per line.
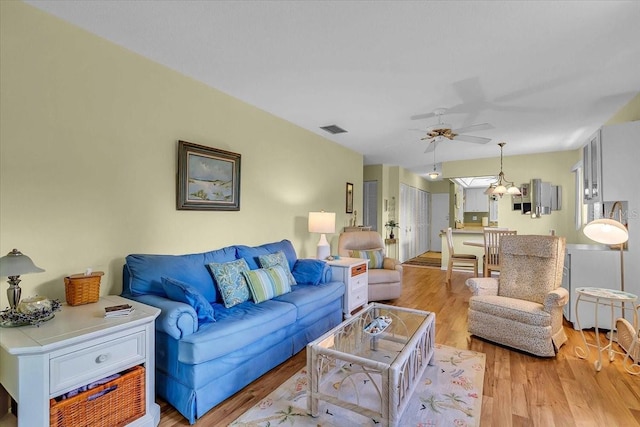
x,y
523,307
384,283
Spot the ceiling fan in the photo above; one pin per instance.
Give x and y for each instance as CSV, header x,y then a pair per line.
x,y
440,131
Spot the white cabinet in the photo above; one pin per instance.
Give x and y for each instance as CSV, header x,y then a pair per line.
x,y
590,266
475,200
592,169
355,275
77,347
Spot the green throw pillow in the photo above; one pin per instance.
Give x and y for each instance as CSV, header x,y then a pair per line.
x,y
266,283
277,258
231,283
375,257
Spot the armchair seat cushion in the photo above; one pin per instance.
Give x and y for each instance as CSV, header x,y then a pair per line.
x,y
512,309
381,275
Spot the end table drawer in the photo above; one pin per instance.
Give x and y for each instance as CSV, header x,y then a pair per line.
x,y
95,361
358,298
358,269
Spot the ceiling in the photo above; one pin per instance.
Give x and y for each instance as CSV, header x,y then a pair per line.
x,y
545,74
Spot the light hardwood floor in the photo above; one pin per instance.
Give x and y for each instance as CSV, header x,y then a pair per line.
x,y
519,389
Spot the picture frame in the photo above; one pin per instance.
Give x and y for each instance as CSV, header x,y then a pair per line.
x,y
349,196
208,178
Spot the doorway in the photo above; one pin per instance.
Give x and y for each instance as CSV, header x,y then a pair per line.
x,y
439,219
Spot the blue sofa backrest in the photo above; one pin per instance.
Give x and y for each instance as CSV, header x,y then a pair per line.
x,y
143,272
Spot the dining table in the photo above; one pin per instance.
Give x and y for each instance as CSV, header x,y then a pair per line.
x,y
477,243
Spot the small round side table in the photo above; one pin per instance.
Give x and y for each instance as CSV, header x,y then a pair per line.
x,y
613,298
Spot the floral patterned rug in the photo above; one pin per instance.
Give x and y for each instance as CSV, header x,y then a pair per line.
x,y
449,394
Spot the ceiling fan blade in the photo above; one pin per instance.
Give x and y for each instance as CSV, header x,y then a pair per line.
x,y
474,128
474,139
422,116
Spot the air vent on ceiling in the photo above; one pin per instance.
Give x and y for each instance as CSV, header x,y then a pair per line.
x,y
333,129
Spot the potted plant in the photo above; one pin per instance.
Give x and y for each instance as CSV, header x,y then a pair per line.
x,y
391,224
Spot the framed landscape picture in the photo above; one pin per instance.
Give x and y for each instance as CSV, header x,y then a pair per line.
x,y
208,178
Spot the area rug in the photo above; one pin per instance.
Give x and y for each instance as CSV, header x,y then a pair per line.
x,y
449,394
427,259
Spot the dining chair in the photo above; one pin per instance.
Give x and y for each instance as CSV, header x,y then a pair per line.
x,y
491,261
454,258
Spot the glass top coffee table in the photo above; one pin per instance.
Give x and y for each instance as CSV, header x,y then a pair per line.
x,y
371,362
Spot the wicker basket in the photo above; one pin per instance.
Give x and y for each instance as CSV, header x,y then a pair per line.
x,y
82,289
122,401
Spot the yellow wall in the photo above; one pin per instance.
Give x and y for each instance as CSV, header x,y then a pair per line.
x,y
629,113
550,167
88,135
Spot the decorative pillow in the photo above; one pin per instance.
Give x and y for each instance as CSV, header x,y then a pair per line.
x,y
274,259
375,257
182,292
266,283
231,283
309,271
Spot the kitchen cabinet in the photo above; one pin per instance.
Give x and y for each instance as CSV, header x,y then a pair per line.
x,y
592,169
475,200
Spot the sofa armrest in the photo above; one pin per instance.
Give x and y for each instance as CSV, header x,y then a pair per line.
x,y
556,298
483,285
391,264
176,319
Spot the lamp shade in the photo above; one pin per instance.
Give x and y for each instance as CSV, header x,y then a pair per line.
x,y
606,231
322,222
16,263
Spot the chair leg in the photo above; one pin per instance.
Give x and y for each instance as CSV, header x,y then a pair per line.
x,y
475,268
449,270
485,272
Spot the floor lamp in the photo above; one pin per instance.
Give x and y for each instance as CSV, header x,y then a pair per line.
x,y
611,232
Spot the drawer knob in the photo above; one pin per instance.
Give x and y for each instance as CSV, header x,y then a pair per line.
x,y
102,358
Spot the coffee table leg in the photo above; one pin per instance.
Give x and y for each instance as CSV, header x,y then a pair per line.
x,y
312,373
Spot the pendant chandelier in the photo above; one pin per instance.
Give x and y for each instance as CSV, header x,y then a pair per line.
x,y
502,185
434,174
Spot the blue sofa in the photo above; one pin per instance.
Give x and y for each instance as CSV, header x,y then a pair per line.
x,y
199,364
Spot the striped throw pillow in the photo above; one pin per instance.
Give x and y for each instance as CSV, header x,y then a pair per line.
x,y
266,283
375,257
277,258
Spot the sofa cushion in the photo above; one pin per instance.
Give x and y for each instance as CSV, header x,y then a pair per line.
x,y
280,259
235,328
146,271
266,283
310,271
230,281
182,292
251,254
375,257
307,298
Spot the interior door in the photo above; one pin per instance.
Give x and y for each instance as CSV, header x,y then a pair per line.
x,y
370,200
439,219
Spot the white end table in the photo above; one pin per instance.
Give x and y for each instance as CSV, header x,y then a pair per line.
x,y
354,273
77,347
613,298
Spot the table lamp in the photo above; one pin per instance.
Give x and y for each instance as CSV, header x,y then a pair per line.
x,y
322,222
12,266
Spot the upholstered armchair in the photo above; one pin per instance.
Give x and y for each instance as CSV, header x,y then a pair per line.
x,y
522,308
385,274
